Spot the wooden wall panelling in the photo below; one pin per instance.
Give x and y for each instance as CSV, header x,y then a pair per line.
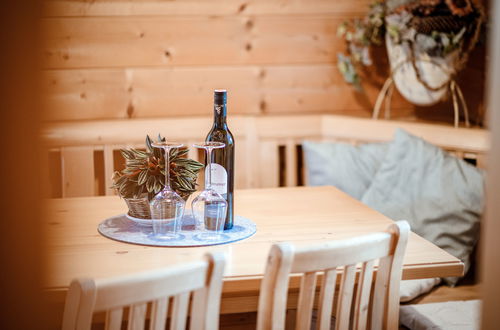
x,y
126,59
189,91
106,42
84,94
252,155
268,164
109,168
69,8
92,94
319,88
291,162
77,171
241,163
193,152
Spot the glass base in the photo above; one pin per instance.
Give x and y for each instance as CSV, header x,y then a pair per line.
x,y
209,236
165,237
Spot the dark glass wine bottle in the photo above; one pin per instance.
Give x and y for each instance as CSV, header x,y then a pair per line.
x,y
223,159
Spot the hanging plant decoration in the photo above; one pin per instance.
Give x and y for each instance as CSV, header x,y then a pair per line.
x,y
428,43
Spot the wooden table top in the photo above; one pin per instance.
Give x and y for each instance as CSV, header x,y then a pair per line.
x,y
302,215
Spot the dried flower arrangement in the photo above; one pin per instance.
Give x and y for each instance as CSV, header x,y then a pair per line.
x,y
434,27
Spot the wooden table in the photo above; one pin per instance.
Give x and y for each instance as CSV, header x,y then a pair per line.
x,y
302,215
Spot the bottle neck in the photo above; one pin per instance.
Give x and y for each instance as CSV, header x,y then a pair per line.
x,y
220,112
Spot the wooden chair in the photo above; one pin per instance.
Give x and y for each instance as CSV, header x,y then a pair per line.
x,y
381,305
203,278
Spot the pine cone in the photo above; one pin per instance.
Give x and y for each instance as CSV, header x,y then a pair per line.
x,y
428,24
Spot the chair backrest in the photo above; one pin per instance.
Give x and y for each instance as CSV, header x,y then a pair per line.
x,y
380,304
202,280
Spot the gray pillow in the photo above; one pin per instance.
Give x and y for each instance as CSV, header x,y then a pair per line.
x,y
441,196
347,167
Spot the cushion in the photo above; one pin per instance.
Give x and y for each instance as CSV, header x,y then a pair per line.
x,y
441,196
411,289
453,315
347,167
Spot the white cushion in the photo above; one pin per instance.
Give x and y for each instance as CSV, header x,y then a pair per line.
x,y
451,315
347,167
441,196
411,289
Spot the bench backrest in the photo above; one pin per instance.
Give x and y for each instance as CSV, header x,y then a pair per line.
x,y
83,155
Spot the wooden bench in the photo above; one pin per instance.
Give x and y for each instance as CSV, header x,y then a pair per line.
x,y
83,155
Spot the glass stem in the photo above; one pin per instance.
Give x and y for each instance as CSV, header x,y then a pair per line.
x,y
167,168
208,179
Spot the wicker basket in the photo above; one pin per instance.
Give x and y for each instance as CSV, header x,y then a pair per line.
x,y
138,207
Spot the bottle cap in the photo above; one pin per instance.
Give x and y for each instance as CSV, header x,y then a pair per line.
x,y
220,96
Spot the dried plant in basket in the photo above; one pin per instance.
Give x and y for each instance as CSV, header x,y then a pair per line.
x,y
144,176
435,27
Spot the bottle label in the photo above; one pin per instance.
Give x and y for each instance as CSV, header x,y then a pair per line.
x,y
219,178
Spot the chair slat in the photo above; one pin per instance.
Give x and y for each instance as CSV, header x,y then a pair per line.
x,y
306,300
363,296
114,319
137,316
326,299
379,307
159,310
345,298
214,291
274,288
197,304
179,311
400,235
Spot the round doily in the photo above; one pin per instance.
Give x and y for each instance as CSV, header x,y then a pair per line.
x,y
125,230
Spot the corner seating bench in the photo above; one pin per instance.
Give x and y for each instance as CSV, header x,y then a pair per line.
x,y
81,156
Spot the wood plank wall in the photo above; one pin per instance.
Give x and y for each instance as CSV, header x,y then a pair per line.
x,y
118,59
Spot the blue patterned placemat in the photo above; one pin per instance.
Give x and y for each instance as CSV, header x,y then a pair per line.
x,y
124,230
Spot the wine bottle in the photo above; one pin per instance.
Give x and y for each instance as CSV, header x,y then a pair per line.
x,y
223,158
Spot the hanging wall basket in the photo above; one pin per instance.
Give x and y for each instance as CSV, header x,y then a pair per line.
x,y
421,79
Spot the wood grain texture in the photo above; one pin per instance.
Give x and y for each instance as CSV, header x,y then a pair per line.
x,y
109,59
87,297
69,8
98,42
284,214
91,94
308,261
258,160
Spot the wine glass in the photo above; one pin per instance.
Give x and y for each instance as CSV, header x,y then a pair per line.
x,y
167,207
209,207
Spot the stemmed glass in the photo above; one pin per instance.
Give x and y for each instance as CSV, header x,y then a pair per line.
x,y
167,207
209,208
